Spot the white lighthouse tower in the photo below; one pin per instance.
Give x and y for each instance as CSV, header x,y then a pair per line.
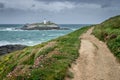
x,y
45,22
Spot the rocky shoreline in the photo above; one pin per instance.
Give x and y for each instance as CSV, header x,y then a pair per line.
x,y
10,48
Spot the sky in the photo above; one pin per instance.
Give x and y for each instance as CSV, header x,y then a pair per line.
x,y
58,11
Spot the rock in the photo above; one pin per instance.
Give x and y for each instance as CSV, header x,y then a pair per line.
x,y
10,48
113,36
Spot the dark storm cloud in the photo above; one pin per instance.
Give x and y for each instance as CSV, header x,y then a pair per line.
x,y
58,4
2,5
86,1
33,5
103,3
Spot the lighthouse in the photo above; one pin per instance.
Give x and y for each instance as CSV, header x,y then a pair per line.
x,y
45,21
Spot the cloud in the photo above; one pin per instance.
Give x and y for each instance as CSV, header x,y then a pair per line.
x,y
56,0
37,6
47,5
111,5
53,6
103,3
88,6
57,5
2,5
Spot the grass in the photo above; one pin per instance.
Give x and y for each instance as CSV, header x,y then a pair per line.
x,y
109,32
70,74
43,61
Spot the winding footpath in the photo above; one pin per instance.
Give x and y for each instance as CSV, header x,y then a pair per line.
x,y
96,62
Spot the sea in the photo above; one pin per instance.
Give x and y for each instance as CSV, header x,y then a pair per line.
x,y
11,34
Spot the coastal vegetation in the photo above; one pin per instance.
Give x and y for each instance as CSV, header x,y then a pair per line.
x,y
47,61
51,60
109,32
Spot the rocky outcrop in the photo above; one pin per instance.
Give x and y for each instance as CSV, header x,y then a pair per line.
x,y
10,48
41,26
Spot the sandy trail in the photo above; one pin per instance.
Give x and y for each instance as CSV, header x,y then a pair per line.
x,y
96,62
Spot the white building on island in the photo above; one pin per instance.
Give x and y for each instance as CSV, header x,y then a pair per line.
x,y
45,22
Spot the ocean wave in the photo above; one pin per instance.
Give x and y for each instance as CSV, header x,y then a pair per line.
x,y
19,29
55,35
10,29
28,43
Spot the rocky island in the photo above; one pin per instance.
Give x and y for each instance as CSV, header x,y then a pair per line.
x,y
45,25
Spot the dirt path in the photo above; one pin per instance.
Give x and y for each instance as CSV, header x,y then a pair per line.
x,y
96,62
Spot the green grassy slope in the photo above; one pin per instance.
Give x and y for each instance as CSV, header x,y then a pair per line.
x,y
109,32
46,61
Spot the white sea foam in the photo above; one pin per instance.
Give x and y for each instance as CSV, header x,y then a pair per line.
x,y
28,43
7,43
10,29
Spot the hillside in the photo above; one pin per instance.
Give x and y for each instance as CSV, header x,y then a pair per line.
x,y
53,60
96,62
46,61
109,32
